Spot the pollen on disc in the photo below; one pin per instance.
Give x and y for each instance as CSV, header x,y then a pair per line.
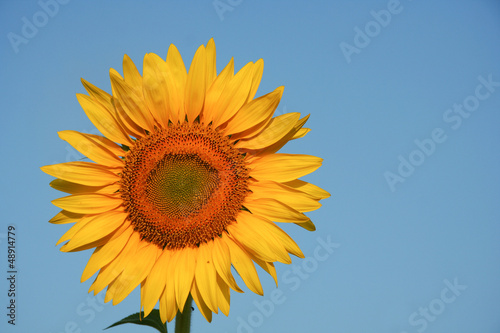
x,y
183,185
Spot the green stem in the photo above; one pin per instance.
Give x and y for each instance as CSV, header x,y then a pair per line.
x,y
183,320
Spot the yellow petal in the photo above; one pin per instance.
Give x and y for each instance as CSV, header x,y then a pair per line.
x,y
73,188
88,203
97,139
308,225
103,119
251,132
268,267
103,255
283,237
96,243
308,188
98,94
184,274
155,283
195,85
234,95
84,173
168,297
130,73
206,276
176,83
115,287
75,228
211,63
264,245
163,306
223,295
99,227
112,286
107,101
215,90
222,263
276,129
155,87
245,267
64,217
136,270
91,245
301,133
130,126
274,210
114,72
131,103
296,199
97,148
109,272
284,140
257,76
284,167
254,112
202,306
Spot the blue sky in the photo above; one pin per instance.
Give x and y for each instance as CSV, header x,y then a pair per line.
x,y
404,99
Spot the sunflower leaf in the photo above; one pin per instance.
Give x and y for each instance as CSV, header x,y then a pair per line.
x,y
152,320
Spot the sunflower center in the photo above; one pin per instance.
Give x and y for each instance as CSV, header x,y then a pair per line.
x,y
180,184
183,185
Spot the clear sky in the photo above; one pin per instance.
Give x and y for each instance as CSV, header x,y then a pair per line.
x,y
404,100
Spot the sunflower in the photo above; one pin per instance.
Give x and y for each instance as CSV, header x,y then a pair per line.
x,y
185,183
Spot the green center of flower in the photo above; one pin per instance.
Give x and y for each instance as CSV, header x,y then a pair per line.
x,y
180,185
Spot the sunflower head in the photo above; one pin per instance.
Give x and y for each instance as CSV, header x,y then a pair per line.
x,y
185,183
